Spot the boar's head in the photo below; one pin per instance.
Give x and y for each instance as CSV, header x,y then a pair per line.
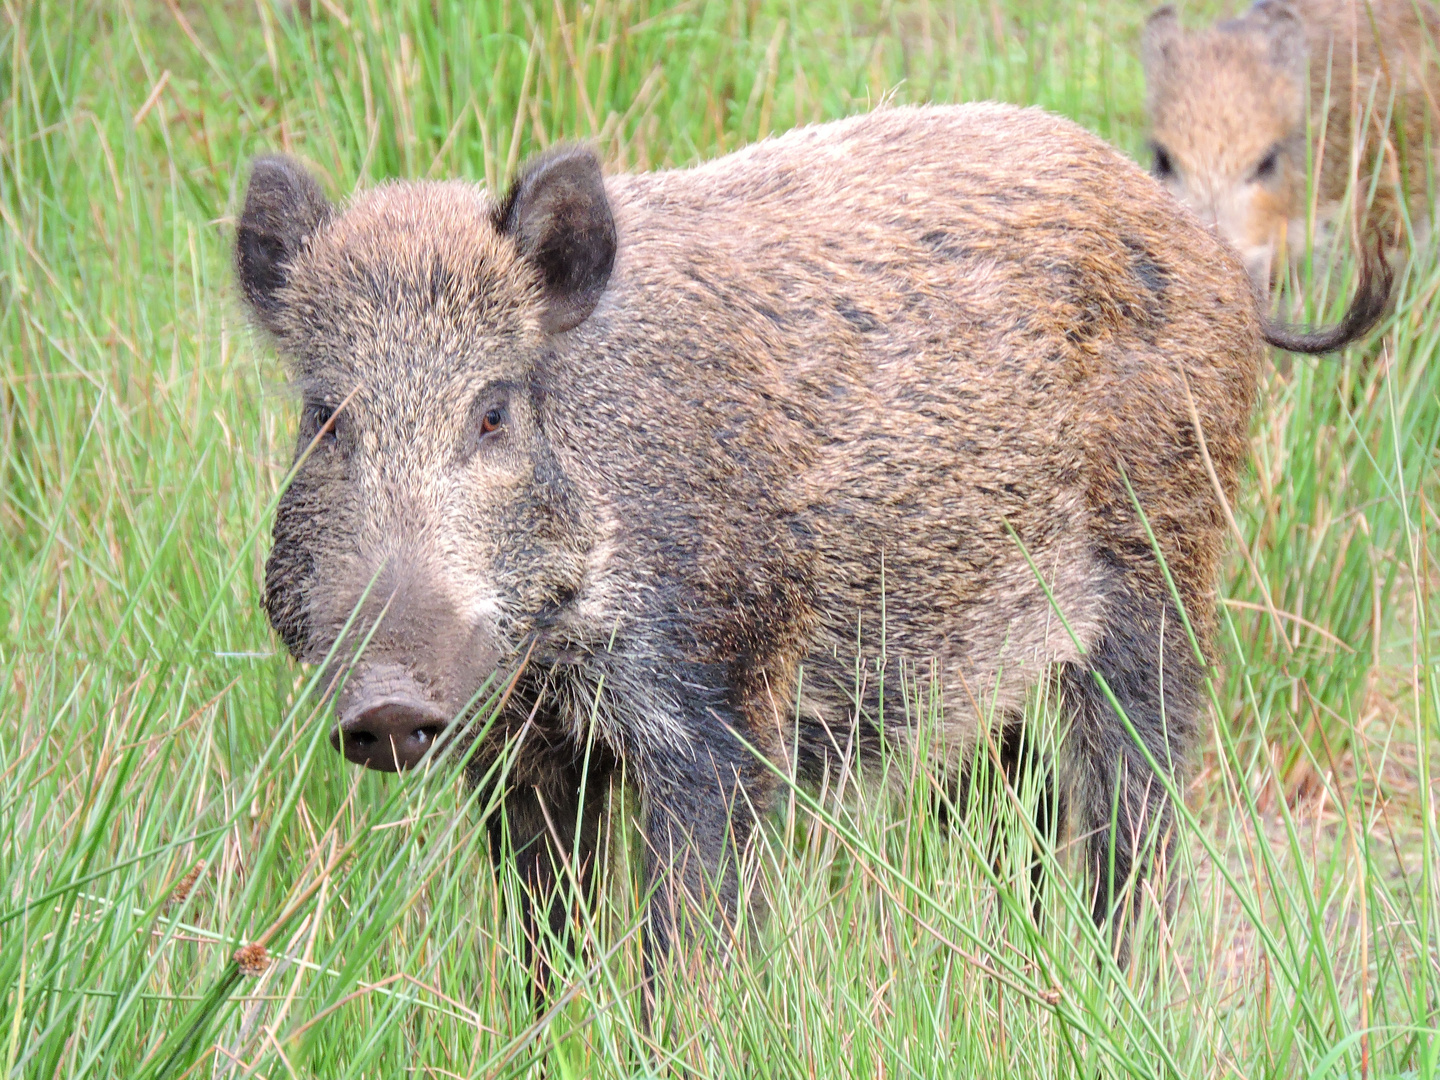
x,y
1227,123
428,509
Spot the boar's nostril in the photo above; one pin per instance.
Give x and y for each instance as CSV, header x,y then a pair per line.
x,y
388,734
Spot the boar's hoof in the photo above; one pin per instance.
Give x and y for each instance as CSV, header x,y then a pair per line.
x,y
388,734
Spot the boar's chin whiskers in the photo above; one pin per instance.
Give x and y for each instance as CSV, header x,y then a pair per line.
x,y
515,676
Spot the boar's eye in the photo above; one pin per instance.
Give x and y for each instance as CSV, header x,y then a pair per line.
x,y
487,425
318,420
1164,167
1268,164
489,417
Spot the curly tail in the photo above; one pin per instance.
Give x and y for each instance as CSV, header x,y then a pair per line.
x,y
1372,298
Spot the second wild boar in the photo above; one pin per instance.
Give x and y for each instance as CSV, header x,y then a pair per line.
x,y
1230,107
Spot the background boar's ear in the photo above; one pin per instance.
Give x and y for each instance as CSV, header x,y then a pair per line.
x,y
1162,30
1284,31
560,220
283,206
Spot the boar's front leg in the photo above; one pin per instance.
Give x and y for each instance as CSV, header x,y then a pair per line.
x,y
550,828
701,801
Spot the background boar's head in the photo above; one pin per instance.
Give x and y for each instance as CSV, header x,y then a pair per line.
x,y
1227,123
429,509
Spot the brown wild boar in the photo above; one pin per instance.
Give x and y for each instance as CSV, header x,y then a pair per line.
x,y
1229,107
664,450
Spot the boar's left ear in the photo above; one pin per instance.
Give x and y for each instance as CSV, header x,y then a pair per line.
x,y
283,207
560,220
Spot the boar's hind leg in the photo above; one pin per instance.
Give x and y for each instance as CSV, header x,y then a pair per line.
x,y
1120,807
539,829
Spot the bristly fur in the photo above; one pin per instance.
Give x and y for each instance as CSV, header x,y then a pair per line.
x,y
689,441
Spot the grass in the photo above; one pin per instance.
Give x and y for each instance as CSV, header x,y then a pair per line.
x,y
151,735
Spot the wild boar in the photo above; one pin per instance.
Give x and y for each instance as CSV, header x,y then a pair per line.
x,y
1229,109
677,455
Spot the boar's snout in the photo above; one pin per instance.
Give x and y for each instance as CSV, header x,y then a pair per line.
x,y
386,721
418,663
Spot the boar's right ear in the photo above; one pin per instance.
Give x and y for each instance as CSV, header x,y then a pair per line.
x,y
1162,30
560,220
283,206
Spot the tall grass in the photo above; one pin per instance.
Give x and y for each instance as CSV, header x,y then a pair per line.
x,y
166,792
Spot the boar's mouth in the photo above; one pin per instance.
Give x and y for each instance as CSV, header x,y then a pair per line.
x,y
387,721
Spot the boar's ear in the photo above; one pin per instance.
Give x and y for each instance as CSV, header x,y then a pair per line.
x,y
1284,32
283,206
1162,30
560,220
